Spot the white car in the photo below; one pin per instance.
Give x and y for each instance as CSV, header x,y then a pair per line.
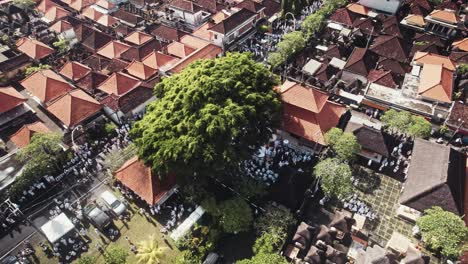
x,y
115,204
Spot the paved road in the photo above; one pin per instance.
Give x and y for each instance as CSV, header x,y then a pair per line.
x,y
10,168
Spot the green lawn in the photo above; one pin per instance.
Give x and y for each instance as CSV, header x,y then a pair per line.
x,y
138,229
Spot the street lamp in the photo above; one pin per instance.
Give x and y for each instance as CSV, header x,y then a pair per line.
x,y
74,146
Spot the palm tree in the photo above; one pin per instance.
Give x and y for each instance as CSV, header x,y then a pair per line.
x,y
149,251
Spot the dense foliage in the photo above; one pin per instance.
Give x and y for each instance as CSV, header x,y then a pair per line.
x,y
405,122
335,177
264,258
292,43
115,255
227,214
86,260
343,144
274,217
443,231
208,115
314,22
270,242
197,244
32,69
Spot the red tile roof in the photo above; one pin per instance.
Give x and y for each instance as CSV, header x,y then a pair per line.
x,y
55,13
107,21
185,5
461,45
358,9
232,22
138,38
46,85
92,13
210,51
344,16
113,49
91,81
251,6
9,99
45,5
429,58
119,83
140,70
143,182
383,77
74,107
34,48
74,70
61,26
436,82
79,5
447,16
179,50
157,60
23,136
105,4
391,47
167,33
361,61
307,112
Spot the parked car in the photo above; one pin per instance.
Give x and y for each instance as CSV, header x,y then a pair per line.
x,y
113,203
10,260
96,216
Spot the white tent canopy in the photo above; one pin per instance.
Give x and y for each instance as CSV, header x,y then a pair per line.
x,y
57,227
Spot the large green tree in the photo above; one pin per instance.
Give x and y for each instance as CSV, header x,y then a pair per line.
x,y
212,114
115,255
335,176
344,144
265,258
443,231
420,127
236,215
270,242
405,122
292,43
274,217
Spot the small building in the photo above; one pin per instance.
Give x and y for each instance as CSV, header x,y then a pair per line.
x,y
34,49
458,118
374,143
436,177
389,6
23,136
152,188
226,32
46,86
12,63
359,65
188,11
444,23
12,106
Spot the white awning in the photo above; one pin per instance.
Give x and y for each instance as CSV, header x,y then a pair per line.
x,y
337,63
321,47
272,18
57,227
183,228
312,67
335,26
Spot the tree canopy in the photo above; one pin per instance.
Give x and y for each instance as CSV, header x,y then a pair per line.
x,y
115,255
264,258
292,43
236,215
24,3
405,122
420,127
335,176
32,69
211,114
274,217
344,144
443,231
270,242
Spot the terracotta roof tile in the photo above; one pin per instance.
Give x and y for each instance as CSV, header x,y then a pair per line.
x,y
210,51
115,65
167,33
142,181
91,81
9,99
384,78
392,65
138,38
420,7
113,49
429,38
107,21
185,5
140,70
344,16
309,99
436,82
193,42
79,5
251,6
92,13
23,136
61,26
461,45
105,4
97,63
391,47
366,26
361,61
118,83
459,57
358,9
156,60
211,6
45,5
415,20
74,70
272,7
140,52
127,17
34,48
429,58
74,107
55,13
179,50
445,16
230,23
46,85
95,40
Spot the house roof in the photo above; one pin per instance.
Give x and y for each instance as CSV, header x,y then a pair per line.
x,y
185,5
107,21
372,139
61,26
92,13
193,41
424,37
74,107
436,177
232,22
436,82
361,61
429,47
118,83
97,63
461,45
391,47
271,7
91,81
105,4
336,51
9,99
78,5
74,70
366,25
384,78
391,65
459,57
309,99
179,50
420,7
210,51
46,85
458,113
140,70
251,6
55,13
127,17
45,5
115,65
129,101
415,20
157,60
344,16
113,49
326,72
95,40
167,33
142,181
23,136
430,58
34,48
140,52
358,9
212,6
138,38
447,16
